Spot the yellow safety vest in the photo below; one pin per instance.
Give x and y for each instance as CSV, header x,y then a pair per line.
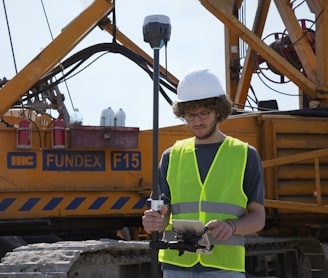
x,y
221,197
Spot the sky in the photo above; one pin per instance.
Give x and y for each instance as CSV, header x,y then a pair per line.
x,y
197,40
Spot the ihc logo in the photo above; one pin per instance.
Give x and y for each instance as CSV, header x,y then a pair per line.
x,y
21,160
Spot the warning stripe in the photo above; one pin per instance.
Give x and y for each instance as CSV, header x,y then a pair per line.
x,y
75,203
45,206
98,202
5,204
53,203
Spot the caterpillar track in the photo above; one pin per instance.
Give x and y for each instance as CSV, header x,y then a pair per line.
x,y
301,257
265,257
68,259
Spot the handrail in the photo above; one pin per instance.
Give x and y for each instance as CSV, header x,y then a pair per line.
x,y
315,155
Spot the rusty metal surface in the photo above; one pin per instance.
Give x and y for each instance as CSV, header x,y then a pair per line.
x,y
103,137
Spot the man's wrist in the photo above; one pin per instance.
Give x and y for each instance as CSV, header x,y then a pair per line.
x,y
232,224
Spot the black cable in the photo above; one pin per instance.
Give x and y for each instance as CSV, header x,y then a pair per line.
x,y
46,16
279,92
114,22
10,38
77,59
52,37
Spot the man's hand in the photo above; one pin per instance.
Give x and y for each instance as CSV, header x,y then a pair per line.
x,y
153,221
221,230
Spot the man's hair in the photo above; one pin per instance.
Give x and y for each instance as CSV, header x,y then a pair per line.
x,y
222,105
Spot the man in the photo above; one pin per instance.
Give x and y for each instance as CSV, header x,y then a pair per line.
x,y
211,177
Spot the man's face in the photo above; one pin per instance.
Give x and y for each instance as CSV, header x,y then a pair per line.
x,y
202,122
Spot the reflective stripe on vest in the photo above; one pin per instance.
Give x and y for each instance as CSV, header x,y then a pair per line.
x,y
208,207
220,196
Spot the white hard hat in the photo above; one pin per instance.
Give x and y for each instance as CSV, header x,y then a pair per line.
x,y
199,84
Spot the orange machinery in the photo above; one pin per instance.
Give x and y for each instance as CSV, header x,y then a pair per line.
x,y
85,181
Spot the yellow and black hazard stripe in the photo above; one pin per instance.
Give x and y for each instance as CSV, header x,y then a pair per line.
x,y
54,204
